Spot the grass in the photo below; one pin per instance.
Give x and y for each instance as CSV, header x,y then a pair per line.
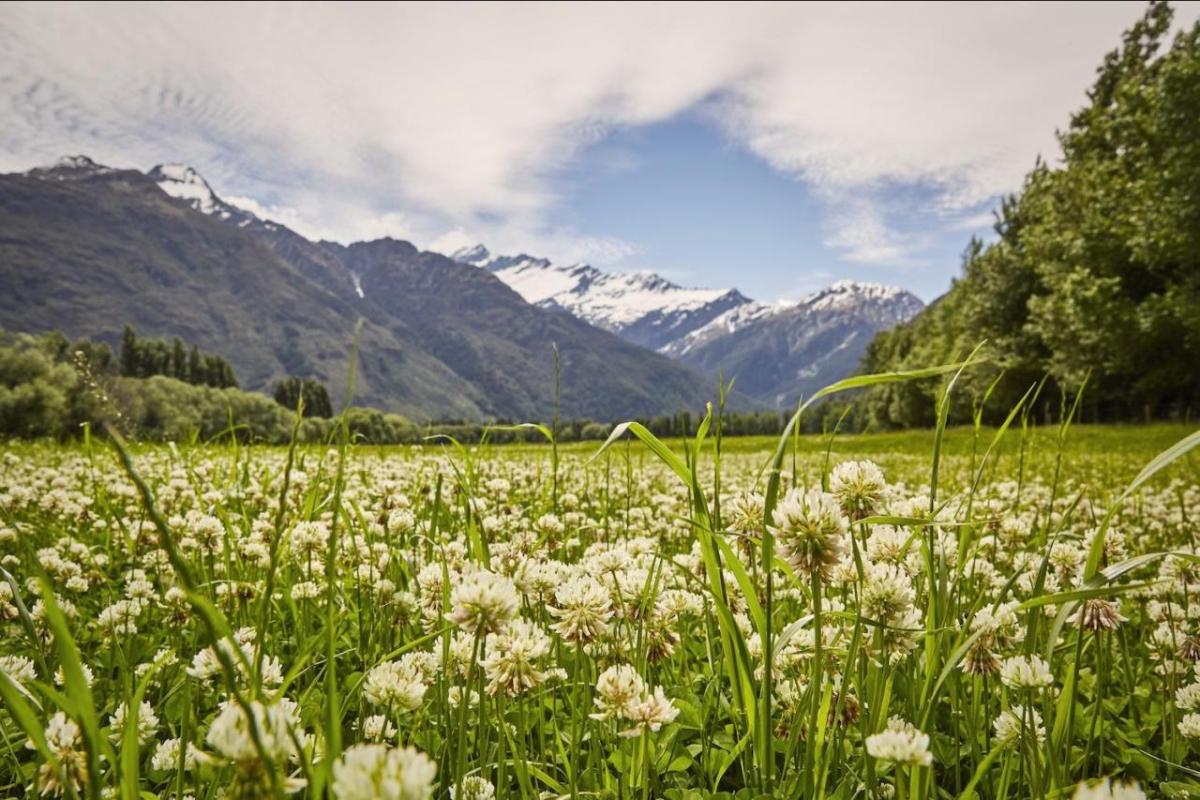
x,y
1007,612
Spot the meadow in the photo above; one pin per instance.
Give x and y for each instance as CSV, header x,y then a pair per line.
x,y
975,612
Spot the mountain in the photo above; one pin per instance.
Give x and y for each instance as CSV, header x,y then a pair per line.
x,y
779,353
776,352
641,307
86,248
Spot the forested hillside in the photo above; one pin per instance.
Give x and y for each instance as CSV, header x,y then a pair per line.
x,y
1096,269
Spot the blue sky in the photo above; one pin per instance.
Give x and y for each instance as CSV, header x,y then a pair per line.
x,y
774,147
704,211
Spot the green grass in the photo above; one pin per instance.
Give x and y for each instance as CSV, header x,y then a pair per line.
x,y
318,582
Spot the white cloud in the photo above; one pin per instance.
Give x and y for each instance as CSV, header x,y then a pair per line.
x,y
448,122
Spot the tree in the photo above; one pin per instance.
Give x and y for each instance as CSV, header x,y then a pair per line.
x,y
1097,266
179,363
129,354
288,393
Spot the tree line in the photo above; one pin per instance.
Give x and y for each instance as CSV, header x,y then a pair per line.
x,y
1095,272
142,358
51,386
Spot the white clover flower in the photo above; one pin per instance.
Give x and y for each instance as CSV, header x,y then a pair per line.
x,y
1106,790
474,787
583,609
395,685
1189,726
810,530
901,743
649,713
166,756
19,668
1187,698
230,733
1017,722
616,688
88,677
1025,672
65,742
483,601
379,772
513,660
147,723
859,487
378,728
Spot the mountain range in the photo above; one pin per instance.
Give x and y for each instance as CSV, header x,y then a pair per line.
x,y
776,353
86,248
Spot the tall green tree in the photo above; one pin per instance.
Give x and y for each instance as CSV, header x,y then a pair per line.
x,y
1096,268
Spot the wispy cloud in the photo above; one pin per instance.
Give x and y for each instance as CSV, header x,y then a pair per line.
x,y
457,120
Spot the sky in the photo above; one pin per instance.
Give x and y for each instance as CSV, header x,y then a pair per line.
x,y
771,147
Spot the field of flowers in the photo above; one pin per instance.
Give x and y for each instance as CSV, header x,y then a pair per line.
x,y
981,613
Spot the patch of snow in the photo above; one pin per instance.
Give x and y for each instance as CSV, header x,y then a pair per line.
x,y
610,300
183,182
78,164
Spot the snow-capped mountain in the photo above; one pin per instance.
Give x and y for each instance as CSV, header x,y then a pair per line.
x,y
641,307
781,352
69,168
777,352
437,339
184,183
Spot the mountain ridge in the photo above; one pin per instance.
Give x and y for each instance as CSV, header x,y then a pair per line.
x,y
778,350
88,248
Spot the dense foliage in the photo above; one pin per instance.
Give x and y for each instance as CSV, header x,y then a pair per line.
x,y
50,386
291,391
142,358
1097,265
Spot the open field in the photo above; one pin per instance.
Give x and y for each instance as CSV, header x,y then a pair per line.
x,y
940,620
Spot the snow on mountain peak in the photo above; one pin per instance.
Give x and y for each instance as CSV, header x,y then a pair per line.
x,y
183,182
79,162
76,164
643,306
848,293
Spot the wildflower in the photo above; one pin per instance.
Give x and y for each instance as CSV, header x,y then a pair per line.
x,y
395,685
649,713
19,668
1099,614
147,723
1025,672
166,756
483,602
1187,698
1105,790
511,665
232,735
380,772
1016,723
88,677
583,610
378,728
901,743
71,772
858,486
1189,726
617,687
810,530
474,787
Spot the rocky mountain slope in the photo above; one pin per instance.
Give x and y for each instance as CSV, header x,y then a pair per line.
x,y
86,248
777,352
